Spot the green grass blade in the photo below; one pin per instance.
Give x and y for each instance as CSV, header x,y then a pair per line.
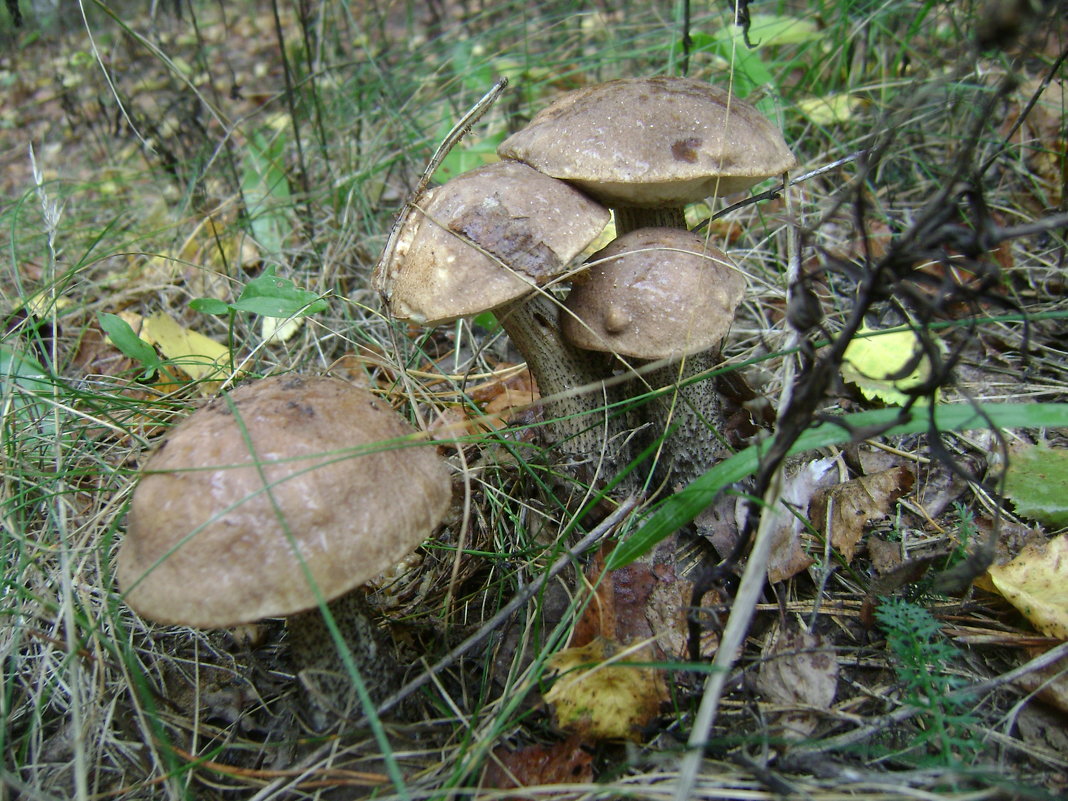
x,y
684,506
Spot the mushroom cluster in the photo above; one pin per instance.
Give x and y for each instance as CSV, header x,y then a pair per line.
x,y
644,148
287,491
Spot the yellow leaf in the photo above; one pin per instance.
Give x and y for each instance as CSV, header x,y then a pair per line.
x,y
830,109
870,361
277,329
603,700
200,357
1036,583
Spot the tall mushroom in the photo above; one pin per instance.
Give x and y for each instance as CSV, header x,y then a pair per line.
x,y
288,490
648,146
488,240
663,294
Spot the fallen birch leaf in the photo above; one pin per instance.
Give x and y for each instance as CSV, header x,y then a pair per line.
x,y
275,330
797,671
874,361
198,356
853,504
830,109
1036,583
600,699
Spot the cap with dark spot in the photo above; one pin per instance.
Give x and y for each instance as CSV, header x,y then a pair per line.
x,y
652,141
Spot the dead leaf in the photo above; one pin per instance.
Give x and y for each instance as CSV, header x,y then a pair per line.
x,y
885,556
788,556
599,697
638,603
1036,583
854,504
565,762
1049,683
798,675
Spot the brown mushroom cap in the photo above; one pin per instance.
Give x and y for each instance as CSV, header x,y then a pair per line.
x,y
652,141
654,293
533,224
204,543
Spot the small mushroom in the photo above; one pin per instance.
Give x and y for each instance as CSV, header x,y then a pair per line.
x,y
648,146
663,294
288,489
488,240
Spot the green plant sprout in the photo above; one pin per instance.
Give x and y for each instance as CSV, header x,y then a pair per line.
x,y
920,658
124,338
268,296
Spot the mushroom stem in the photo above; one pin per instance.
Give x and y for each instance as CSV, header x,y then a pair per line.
x,y
695,409
696,413
324,677
630,218
570,379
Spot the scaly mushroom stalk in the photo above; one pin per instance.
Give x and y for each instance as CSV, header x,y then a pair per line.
x,y
571,380
656,294
320,668
695,413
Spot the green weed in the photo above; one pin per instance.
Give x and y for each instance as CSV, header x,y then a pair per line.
x,y
922,659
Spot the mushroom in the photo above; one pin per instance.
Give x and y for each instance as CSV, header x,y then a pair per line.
x,y
489,239
289,491
648,146
663,294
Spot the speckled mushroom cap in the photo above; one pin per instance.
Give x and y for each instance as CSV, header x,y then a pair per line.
x,y
527,227
652,141
654,293
205,546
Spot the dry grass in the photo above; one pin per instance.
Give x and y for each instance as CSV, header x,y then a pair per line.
x,y
137,207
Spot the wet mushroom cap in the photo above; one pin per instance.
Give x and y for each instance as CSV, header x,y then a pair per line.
x,y
526,227
205,543
654,293
652,141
